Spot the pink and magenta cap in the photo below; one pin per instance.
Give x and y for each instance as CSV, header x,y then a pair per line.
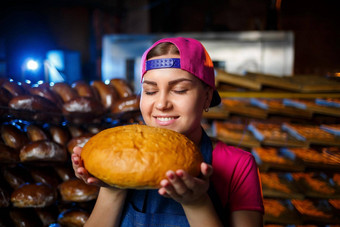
x,y
193,59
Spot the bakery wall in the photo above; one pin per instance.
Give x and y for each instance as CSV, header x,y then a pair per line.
x,y
80,26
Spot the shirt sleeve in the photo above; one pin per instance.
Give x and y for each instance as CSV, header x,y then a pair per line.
x,y
245,186
236,178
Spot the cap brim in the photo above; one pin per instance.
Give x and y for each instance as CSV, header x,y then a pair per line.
x,y
216,99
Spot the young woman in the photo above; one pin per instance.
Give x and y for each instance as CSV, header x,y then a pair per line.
x,y
177,86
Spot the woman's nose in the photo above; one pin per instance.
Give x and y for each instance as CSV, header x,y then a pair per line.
x,y
163,102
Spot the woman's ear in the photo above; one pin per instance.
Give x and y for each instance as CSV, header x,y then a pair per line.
x,y
209,95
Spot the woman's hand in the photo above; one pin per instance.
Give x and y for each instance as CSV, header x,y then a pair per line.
x,y
81,172
184,188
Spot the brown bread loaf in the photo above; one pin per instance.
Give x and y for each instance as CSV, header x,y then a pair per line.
x,y
138,156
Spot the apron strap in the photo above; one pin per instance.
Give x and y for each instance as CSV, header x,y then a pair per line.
x,y
139,198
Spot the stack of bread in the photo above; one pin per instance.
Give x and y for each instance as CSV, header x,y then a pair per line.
x,y
37,182
40,125
79,102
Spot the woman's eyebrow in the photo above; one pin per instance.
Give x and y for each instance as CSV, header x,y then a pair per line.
x,y
179,80
149,82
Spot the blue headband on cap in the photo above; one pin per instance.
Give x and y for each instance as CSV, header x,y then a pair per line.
x,y
163,63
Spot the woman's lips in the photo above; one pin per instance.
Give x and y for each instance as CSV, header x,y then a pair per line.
x,y
165,120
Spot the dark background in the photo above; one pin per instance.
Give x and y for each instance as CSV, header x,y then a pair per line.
x,y
33,27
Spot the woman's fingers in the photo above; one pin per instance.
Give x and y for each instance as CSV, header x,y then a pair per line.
x,y
183,187
77,150
178,185
206,170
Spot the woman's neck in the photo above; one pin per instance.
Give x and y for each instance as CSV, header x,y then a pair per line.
x,y
196,136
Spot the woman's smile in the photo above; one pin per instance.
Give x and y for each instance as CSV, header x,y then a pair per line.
x,y
165,120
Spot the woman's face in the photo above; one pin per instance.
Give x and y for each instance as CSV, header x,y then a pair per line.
x,y
174,99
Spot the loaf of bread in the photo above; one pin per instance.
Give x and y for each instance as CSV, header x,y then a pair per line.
x,y
5,97
8,155
46,93
33,195
78,141
47,215
138,156
33,103
65,91
108,95
16,176
35,133
43,150
24,217
76,130
76,190
122,87
44,175
14,88
84,89
130,103
65,172
59,134
83,107
73,217
13,136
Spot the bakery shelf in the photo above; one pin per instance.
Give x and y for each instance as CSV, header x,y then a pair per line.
x,y
271,159
280,211
280,95
316,185
280,185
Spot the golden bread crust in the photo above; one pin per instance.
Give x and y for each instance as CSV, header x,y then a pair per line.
x,y
138,156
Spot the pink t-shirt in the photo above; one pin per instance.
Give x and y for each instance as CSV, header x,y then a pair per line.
x,y
236,178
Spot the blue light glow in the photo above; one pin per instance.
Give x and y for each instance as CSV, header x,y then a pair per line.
x,y
32,65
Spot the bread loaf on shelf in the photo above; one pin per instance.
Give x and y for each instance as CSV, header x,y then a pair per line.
x,y
44,175
14,88
108,95
13,136
122,105
8,155
73,217
65,91
78,141
24,217
35,133
47,93
75,190
83,105
5,97
59,134
84,89
65,172
122,87
47,215
33,103
43,151
76,130
16,176
33,195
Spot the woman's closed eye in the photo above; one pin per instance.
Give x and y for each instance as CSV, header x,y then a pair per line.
x,y
150,92
180,91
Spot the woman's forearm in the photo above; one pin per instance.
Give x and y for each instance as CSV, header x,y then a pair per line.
x,y
108,208
202,214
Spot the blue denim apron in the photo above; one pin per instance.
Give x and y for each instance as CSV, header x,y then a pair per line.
x,y
148,208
